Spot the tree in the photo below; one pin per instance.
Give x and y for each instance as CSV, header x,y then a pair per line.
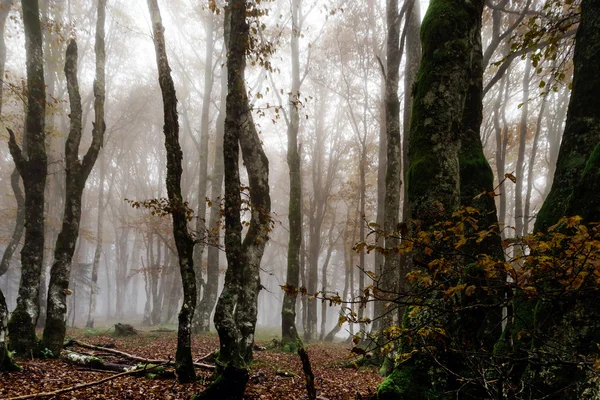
x,y
185,244
442,175
15,178
582,129
201,319
211,288
98,250
289,334
5,360
77,173
33,169
573,193
235,315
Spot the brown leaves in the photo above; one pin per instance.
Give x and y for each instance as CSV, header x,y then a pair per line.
x,y
331,381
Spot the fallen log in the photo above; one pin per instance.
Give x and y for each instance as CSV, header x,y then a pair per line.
x,y
132,357
92,362
81,386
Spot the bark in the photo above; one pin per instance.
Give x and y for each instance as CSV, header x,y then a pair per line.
x,y
77,173
185,245
582,129
289,334
211,288
33,170
447,101
482,326
574,191
197,322
235,315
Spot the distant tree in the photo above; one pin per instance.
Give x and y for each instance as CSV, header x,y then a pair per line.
x,y
15,178
33,168
211,286
201,319
185,244
5,360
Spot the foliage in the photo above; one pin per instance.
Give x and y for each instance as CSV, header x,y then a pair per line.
x,y
456,286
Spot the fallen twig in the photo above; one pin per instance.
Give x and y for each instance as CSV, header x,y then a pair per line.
x,y
82,385
74,342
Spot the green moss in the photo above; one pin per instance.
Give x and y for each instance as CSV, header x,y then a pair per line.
x,y
7,364
584,200
290,345
21,333
414,379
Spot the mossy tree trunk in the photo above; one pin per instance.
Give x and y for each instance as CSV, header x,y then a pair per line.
x,y
446,112
289,334
482,325
235,315
574,192
185,245
77,173
582,129
33,169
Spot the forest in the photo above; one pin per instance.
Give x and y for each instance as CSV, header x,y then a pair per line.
x,y
300,199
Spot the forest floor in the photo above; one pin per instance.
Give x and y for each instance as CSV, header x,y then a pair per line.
x,y
332,380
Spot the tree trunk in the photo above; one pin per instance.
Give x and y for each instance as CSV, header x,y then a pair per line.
x,y
532,160
98,251
520,170
582,129
185,245
574,192
33,170
77,173
289,334
447,85
211,288
501,143
393,176
203,179
235,315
